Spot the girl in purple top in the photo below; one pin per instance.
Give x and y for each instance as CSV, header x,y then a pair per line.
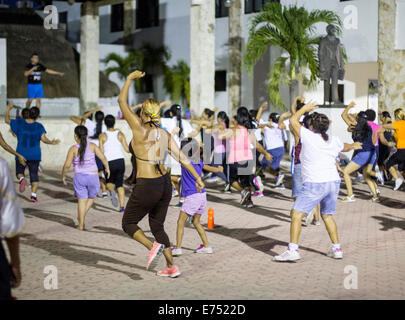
x,y
85,182
195,202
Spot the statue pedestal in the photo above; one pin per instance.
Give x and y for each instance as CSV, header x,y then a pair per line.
x,y
339,105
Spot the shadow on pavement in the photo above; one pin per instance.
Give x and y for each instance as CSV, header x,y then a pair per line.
x,y
388,223
250,236
87,258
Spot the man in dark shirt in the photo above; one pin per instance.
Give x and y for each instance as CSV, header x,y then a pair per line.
x,y
33,71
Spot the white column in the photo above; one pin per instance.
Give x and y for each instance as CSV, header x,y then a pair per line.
x,y
89,56
202,55
3,75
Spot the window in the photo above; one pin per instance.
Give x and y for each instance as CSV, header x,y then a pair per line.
x,y
220,80
256,5
147,13
220,9
117,17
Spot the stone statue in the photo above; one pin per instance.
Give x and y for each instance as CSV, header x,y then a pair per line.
x,y
330,64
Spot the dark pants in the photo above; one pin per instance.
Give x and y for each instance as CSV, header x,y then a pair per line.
x,y
32,165
397,158
219,159
149,196
117,170
5,289
242,172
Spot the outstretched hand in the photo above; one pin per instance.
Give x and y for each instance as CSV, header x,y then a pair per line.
x,y
136,75
263,105
310,106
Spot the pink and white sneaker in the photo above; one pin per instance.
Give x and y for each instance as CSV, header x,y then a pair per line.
x,y
21,185
335,253
257,194
202,249
154,255
173,272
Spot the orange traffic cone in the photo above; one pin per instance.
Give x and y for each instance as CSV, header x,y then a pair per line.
x,y
210,219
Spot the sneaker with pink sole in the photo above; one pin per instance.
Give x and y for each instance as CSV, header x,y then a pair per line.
x,y
257,194
154,254
173,272
21,185
202,249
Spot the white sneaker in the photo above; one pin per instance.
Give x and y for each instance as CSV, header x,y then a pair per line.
x,y
175,193
280,179
316,223
244,195
349,199
280,187
202,249
380,177
289,255
176,252
310,217
258,183
212,180
335,253
398,183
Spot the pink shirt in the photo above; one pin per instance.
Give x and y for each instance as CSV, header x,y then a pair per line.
x,y
89,161
374,126
239,147
219,145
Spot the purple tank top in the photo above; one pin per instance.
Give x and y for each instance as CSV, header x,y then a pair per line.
x,y
88,164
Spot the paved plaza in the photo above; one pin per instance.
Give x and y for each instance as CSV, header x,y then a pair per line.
x,y
104,263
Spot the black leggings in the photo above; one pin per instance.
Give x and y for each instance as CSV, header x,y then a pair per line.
x,y
5,290
397,158
117,170
149,196
32,165
242,172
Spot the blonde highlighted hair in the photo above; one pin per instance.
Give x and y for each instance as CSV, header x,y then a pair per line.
x,y
151,109
399,114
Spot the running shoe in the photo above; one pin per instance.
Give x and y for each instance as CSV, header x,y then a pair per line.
x,y
21,185
104,195
378,192
250,204
375,199
310,217
280,187
349,199
173,272
257,194
207,176
227,188
34,199
122,209
190,219
398,183
289,255
257,181
316,223
380,177
114,198
175,193
335,253
177,252
154,254
179,205
202,249
244,195
280,179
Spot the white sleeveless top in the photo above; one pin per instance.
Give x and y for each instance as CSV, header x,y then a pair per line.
x,y
113,147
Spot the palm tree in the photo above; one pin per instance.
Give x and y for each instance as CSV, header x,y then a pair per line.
x,y
292,29
176,82
147,58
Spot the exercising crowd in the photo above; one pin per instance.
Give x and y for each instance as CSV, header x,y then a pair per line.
x,y
171,158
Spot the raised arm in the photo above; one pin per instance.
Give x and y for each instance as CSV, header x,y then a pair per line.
x,y
133,108
295,125
50,71
260,111
294,104
89,113
281,120
121,138
45,139
345,115
128,114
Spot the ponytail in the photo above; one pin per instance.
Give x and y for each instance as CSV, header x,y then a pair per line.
x,y
224,117
176,112
320,124
81,133
99,116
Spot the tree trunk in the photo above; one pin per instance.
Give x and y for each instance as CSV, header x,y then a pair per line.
x,y
235,51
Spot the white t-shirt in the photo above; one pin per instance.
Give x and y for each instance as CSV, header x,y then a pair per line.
x,y
258,131
273,137
91,130
318,157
